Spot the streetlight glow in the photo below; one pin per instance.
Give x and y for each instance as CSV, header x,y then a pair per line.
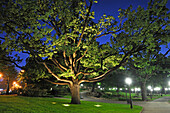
x,y
0,75
149,87
128,81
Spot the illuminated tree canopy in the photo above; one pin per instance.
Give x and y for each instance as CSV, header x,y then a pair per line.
x,y
65,33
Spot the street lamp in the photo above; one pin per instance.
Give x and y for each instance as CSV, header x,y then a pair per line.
x,y
150,88
129,81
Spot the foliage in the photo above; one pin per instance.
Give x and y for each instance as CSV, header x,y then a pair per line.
x,y
53,105
115,79
34,92
65,32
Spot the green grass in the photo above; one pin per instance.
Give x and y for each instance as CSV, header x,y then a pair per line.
x,y
17,104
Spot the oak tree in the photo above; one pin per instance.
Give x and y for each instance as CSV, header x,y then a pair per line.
x,y
65,32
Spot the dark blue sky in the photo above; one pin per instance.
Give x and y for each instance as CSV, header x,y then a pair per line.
x,y
110,7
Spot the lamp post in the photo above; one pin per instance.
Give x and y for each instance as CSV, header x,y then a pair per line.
x,y
129,81
150,88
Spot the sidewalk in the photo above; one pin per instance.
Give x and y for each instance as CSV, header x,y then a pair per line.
x,y
160,105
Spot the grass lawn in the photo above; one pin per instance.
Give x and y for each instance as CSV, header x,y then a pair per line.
x,y
19,104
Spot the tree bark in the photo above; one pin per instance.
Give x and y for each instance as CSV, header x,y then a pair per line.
x,y
143,91
93,86
75,99
7,91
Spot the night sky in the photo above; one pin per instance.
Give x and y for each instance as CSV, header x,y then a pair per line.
x,y
110,7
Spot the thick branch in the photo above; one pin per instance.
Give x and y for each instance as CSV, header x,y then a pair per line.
x,y
82,55
56,82
86,20
108,33
49,70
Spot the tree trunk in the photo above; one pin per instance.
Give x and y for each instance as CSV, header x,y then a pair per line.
x,y
75,99
93,86
7,91
143,91
163,90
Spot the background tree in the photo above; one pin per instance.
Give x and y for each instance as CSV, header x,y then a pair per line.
x,y
65,33
7,69
161,76
146,65
115,79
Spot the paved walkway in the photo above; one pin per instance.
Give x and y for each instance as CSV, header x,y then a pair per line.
x,y
160,105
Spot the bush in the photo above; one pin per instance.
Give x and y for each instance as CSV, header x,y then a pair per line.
x,y
34,92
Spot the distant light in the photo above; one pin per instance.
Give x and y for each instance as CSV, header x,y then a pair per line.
x,y
132,89
98,86
66,105
14,83
81,85
1,89
149,87
157,89
110,88
51,89
169,83
138,89
114,88
0,75
166,89
53,102
120,89
22,71
99,83
98,105
128,81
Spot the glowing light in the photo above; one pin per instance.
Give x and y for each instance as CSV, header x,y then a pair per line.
x,y
166,89
22,71
99,83
81,85
128,81
98,105
149,87
0,75
110,88
66,105
53,102
120,89
169,83
157,89
1,89
14,83
132,89
98,86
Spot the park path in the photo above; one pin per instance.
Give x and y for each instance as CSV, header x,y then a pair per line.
x,y
160,105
